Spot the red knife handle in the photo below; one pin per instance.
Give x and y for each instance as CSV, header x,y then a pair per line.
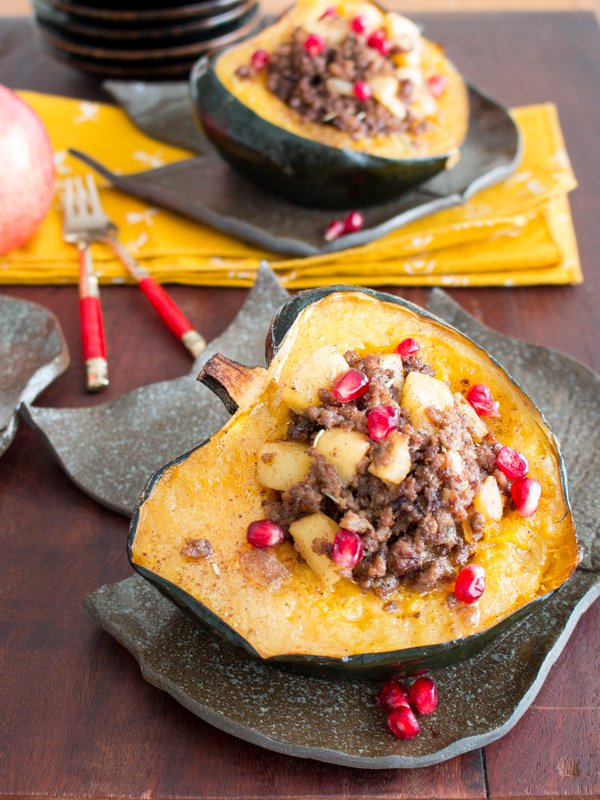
x,y
93,344
172,315
165,307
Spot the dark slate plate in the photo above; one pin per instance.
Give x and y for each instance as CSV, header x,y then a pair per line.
x,y
110,450
207,190
32,354
481,699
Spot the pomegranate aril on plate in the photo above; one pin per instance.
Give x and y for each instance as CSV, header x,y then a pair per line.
x,y
350,386
437,84
480,397
403,723
381,421
512,463
264,533
408,348
470,583
526,493
347,549
393,694
334,230
353,222
422,696
314,44
359,24
259,59
362,91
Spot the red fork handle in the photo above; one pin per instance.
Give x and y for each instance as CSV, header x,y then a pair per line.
x,y
92,326
166,308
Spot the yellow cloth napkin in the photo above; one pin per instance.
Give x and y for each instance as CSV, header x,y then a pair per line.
x,y
519,232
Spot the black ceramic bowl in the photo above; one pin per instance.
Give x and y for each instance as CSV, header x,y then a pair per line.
x,y
121,50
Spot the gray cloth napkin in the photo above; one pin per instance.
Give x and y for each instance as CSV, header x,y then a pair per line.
x,y
162,110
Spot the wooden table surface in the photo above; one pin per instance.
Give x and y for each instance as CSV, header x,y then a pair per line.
x,y
22,7
76,717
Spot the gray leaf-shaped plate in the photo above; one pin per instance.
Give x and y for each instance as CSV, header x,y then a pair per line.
x,y
32,354
110,450
207,190
481,699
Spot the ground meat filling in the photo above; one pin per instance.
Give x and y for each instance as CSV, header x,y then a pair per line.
x,y
319,87
412,532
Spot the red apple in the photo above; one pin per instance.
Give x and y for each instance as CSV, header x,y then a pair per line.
x,y
26,171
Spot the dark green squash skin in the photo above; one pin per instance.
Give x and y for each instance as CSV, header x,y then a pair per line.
x,y
364,665
302,170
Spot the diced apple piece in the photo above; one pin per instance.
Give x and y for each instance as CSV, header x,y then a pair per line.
x,y
399,28
317,372
476,425
337,86
488,500
282,465
412,74
455,463
373,17
397,464
393,362
304,532
385,91
333,29
411,59
423,105
343,449
421,392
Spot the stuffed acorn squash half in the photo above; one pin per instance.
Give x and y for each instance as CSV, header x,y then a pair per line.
x,y
384,497
334,105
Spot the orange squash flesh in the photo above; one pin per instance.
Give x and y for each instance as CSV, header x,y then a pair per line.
x,y
214,494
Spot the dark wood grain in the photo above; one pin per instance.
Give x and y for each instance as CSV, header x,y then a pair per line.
x,y
76,718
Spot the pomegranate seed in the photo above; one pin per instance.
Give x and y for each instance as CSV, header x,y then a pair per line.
x,y
385,47
329,13
350,386
264,533
378,41
259,59
437,84
408,348
347,549
381,421
526,493
362,91
403,723
482,401
334,230
353,222
314,44
512,463
359,24
393,694
422,696
470,583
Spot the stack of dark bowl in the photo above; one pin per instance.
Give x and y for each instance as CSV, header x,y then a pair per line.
x,y
141,39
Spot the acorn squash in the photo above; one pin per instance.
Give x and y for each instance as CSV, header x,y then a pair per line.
x,y
312,162
271,602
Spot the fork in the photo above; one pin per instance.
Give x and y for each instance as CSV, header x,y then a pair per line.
x,y
80,227
103,229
